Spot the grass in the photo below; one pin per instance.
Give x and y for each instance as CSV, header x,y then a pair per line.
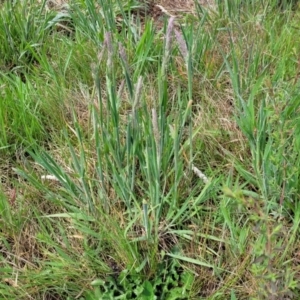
x,y
149,160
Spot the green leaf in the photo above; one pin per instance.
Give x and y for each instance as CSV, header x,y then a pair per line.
x,y
191,260
148,291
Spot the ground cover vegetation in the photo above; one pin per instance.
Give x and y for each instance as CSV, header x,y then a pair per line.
x,y
149,150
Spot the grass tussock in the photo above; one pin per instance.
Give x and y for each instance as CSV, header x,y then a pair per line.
x,y
149,155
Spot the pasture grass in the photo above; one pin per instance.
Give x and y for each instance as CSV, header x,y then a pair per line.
x,y
146,160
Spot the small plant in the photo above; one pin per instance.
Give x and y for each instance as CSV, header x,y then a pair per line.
x,y
267,251
169,282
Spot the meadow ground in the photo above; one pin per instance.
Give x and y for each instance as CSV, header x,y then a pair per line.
x,y
149,150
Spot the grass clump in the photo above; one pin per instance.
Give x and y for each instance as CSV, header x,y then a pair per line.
x,y
150,160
